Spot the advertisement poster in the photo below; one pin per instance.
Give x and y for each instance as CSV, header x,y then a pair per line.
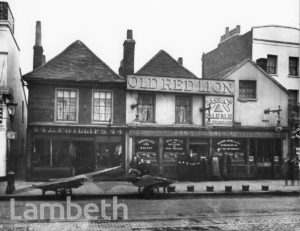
x,y
219,111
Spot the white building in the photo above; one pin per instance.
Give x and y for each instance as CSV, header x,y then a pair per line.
x,y
11,90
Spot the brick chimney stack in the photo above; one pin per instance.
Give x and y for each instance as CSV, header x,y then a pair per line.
x,y
38,57
128,55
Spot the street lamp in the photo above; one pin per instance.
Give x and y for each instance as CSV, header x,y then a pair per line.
x,y
11,109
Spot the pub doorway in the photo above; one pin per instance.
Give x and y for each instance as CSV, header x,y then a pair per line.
x,y
200,150
108,155
84,157
265,150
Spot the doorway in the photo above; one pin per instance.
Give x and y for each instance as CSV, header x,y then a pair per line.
x,y
84,158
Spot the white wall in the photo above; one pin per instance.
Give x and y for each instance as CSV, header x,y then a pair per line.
x,y
280,41
10,65
269,95
164,108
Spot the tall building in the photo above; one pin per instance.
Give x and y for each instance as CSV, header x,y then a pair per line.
x,y
12,131
276,49
76,111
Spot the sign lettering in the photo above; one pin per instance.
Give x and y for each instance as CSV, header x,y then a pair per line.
x,y
195,86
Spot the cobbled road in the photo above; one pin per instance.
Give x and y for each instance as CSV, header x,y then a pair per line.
x,y
214,213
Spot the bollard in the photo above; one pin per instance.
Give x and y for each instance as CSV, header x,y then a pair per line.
x,y
228,188
190,188
209,188
245,188
265,187
10,183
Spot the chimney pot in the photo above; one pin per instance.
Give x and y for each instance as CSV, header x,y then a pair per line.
x,y
180,61
129,34
227,31
38,34
238,29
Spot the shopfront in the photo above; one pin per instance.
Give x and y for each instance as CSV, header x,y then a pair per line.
x,y
61,151
241,154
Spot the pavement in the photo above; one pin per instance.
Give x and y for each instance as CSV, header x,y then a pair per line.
x,y
126,189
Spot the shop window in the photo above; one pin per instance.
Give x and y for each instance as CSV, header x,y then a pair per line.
x,y
145,108
51,153
247,89
272,64
293,66
66,105
183,109
102,106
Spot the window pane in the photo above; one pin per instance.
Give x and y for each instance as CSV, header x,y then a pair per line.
x,y
247,89
183,109
96,95
102,106
145,108
60,94
66,107
293,66
271,64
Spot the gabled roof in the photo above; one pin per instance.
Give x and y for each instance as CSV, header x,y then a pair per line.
x,y
76,63
164,65
227,72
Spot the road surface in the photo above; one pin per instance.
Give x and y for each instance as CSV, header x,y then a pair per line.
x,y
214,213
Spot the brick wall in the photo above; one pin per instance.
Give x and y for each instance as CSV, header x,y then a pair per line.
x,y
41,102
227,54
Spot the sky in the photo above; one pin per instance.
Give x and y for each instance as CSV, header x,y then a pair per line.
x,y
183,28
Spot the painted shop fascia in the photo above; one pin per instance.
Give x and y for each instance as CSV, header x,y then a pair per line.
x,y
180,85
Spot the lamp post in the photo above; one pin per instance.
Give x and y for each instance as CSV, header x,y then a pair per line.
x,y
11,109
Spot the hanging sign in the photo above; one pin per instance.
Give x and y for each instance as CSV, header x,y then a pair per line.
x,y
219,111
11,135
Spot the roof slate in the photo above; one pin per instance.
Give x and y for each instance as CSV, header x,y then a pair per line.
x,y
76,63
164,65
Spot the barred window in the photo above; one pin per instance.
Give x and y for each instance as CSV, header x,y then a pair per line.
x,y
272,64
247,89
145,108
102,106
66,105
183,109
293,66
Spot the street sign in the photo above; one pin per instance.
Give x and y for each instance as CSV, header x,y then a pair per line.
x,y
11,135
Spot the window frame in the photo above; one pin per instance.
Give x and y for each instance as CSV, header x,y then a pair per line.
x,y
297,67
77,106
191,110
276,64
154,106
247,98
112,107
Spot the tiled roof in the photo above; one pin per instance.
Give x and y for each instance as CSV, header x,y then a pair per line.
x,y
162,64
76,63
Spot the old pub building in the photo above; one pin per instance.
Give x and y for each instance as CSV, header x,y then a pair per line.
x,y
186,127
76,121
